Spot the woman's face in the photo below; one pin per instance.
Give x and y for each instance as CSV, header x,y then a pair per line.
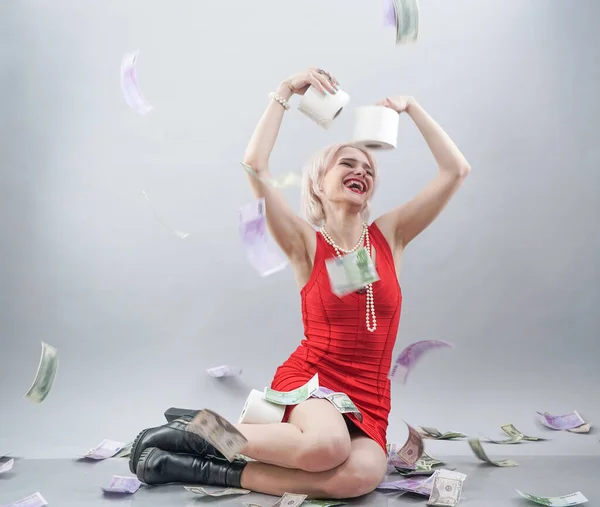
x,y
349,182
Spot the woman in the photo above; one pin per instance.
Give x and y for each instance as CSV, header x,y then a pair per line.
x,y
316,450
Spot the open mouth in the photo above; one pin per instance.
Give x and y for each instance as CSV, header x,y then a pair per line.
x,y
355,185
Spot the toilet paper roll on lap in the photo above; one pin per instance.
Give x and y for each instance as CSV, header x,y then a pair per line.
x,y
323,109
257,410
376,127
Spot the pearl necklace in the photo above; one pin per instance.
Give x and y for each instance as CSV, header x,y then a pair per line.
x,y
364,238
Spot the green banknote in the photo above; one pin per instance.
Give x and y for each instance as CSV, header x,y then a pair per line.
x,y
476,447
294,397
351,272
556,501
46,373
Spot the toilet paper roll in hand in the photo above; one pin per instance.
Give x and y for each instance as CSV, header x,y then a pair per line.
x,y
323,109
376,127
257,410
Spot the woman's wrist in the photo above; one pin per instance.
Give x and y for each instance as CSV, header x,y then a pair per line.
x,y
284,91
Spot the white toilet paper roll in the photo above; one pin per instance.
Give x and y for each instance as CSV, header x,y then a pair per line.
x,y
323,109
376,127
257,410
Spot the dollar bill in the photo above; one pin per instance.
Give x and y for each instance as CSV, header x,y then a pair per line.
x,y
344,404
261,251
511,431
121,484
225,370
477,448
294,397
556,501
290,500
561,422
325,503
287,180
105,449
46,373
351,272
217,431
7,465
412,450
129,85
35,500
216,491
436,434
584,428
407,21
446,488
177,232
514,439
408,358
125,452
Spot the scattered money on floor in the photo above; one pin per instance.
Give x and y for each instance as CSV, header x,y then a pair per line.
x,y
120,484
178,233
514,439
419,486
261,250
219,432
224,371
35,500
584,428
215,491
412,450
326,503
511,431
410,356
125,452
446,488
290,500
46,373
6,466
561,422
438,435
129,85
556,501
105,449
475,445
294,397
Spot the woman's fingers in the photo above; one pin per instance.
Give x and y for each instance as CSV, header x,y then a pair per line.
x,y
315,82
325,79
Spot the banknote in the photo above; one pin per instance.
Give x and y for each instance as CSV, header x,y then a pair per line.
x,y
556,501
125,452
216,491
475,445
105,449
260,248
35,500
217,431
446,488
561,422
129,85
514,439
511,431
287,180
294,397
344,404
326,503
7,465
321,392
419,486
407,21
120,484
351,272
407,359
290,500
426,461
584,428
178,233
46,373
225,370
389,13
436,434
412,450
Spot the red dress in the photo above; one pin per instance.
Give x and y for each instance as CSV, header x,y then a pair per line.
x,y
337,344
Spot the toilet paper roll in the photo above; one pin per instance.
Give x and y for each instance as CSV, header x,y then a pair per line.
x,y
376,128
257,410
323,109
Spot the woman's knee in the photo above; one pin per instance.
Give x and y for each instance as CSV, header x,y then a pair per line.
x,y
324,452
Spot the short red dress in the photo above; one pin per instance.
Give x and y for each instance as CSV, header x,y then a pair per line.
x,y
337,344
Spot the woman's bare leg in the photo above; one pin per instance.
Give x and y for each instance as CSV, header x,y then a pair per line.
x,y
315,439
360,474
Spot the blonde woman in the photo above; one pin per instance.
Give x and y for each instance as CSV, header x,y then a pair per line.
x,y
348,341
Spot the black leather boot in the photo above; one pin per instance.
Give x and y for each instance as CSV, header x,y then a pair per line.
x,y
162,467
171,437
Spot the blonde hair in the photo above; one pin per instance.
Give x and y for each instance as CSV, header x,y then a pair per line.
x,y
312,176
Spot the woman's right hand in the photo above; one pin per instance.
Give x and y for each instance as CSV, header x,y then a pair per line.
x,y
319,79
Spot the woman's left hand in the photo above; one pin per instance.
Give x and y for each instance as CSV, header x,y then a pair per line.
x,y
399,103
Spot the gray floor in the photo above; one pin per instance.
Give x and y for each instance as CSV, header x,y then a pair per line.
x,y
66,483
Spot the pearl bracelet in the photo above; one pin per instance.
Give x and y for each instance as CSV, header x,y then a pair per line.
x,y
278,98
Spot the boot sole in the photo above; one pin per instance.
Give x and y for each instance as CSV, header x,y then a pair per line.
x,y
135,453
141,466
